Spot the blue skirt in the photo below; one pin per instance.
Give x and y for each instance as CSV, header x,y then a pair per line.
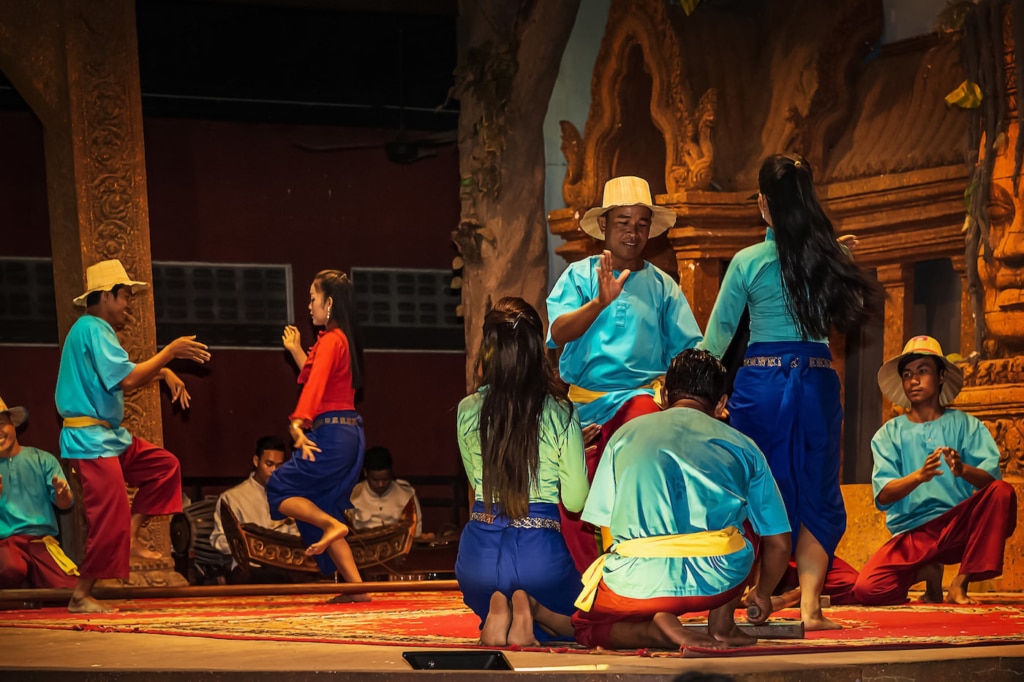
x,y
494,557
327,481
786,398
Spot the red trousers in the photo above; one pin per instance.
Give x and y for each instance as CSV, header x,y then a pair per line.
x,y
157,475
973,534
23,559
594,627
581,538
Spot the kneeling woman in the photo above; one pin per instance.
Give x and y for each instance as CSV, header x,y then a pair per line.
x,y
522,448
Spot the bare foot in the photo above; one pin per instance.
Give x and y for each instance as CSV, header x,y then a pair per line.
x,y
88,605
819,622
735,637
359,598
931,574
521,631
958,596
140,552
669,626
337,531
497,623
786,599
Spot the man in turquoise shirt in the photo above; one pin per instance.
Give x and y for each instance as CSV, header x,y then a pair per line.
x,y
31,483
619,321
681,476
937,479
94,374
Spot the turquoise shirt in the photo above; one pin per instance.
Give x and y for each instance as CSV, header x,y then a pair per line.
x,y
753,280
92,366
900,448
681,471
26,505
561,469
632,341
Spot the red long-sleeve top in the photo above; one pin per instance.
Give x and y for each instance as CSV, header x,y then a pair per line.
x,y
326,378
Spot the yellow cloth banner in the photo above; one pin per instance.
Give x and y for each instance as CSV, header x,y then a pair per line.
x,y
82,422
583,396
966,96
63,561
707,543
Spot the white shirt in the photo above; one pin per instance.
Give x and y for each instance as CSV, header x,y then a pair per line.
x,y
248,500
373,510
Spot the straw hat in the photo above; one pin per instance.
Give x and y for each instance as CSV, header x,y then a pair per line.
x,y
18,414
891,383
104,276
627,190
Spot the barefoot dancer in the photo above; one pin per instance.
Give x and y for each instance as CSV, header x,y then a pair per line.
x,y
314,486
522,449
799,285
936,477
672,496
94,375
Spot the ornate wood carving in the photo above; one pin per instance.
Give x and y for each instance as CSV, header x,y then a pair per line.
x,y
77,65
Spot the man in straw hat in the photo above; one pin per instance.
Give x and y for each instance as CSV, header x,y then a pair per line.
x,y
94,375
619,321
936,477
31,483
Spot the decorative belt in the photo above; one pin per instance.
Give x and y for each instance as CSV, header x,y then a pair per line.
x,y
82,422
776,361
583,396
522,522
347,421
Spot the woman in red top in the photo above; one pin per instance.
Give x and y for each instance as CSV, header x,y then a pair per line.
x,y
315,486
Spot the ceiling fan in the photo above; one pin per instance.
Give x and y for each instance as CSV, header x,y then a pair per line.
x,y
403,148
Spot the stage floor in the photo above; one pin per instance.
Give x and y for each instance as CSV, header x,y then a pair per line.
x,y
269,637
38,655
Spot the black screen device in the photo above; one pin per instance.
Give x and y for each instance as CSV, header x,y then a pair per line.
x,y
457,660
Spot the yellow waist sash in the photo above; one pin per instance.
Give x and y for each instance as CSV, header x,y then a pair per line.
x,y
704,544
62,559
582,396
82,422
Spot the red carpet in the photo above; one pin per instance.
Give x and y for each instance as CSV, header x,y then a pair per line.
x,y
441,620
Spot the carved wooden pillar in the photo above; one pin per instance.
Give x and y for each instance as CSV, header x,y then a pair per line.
x,y
76,63
898,281
966,309
700,279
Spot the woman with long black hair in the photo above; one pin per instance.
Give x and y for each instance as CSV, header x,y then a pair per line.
x,y
799,285
522,448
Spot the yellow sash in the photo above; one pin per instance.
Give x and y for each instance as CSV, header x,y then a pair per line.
x,y
62,560
582,396
82,422
706,543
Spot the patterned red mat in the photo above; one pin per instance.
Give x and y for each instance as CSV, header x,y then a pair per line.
x,y
439,619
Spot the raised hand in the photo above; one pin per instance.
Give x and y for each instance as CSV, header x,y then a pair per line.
x,y
953,461
932,465
61,491
187,348
608,285
290,339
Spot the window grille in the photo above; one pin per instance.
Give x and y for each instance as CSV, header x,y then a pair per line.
x,y
408,309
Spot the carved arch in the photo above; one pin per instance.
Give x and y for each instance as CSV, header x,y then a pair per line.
x,y
689,154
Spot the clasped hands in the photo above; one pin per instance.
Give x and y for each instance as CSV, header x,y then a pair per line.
x,y
933,463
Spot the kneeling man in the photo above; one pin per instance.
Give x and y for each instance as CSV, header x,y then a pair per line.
x,y
936,477
672,494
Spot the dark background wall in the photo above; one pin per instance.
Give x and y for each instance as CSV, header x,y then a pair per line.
x,y
246,193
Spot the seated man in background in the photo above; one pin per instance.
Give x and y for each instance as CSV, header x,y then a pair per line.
x,y
31,483
380,498
937,479
248,502
673,495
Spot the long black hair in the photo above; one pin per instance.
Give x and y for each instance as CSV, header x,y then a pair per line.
x,y
335,285
519,378
826,289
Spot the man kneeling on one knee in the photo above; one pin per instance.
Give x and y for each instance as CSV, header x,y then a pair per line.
x,y
936,477
673,494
